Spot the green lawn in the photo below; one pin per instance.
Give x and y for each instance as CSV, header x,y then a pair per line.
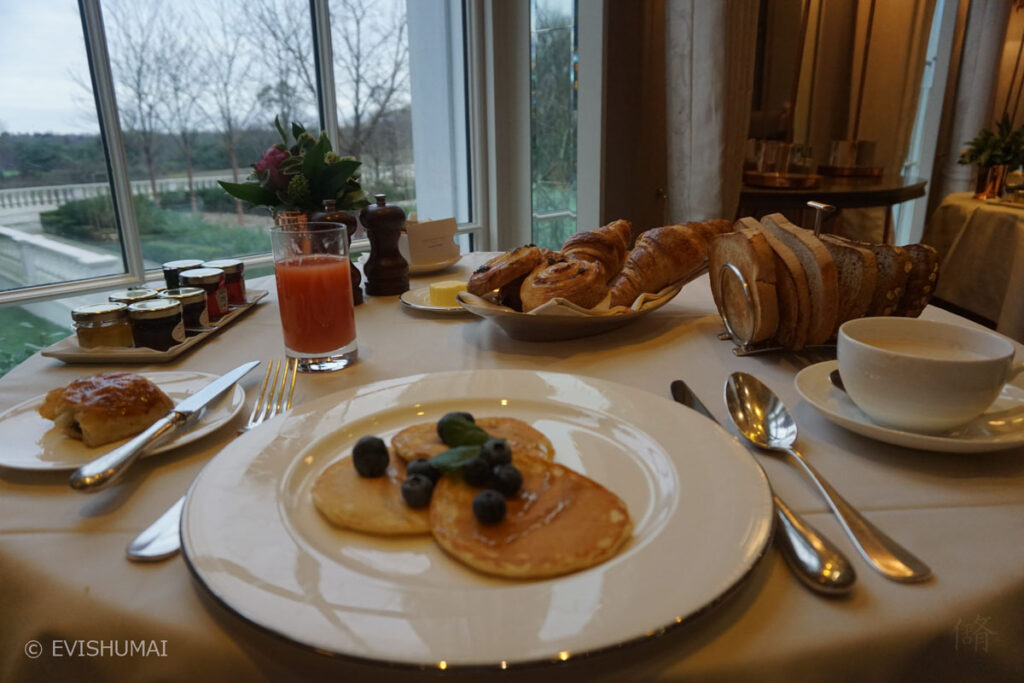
x,y
22,334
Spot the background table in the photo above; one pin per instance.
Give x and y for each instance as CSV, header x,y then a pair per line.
x,y
981,247
64,575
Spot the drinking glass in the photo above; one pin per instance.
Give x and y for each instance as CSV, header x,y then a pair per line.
x,y
314,292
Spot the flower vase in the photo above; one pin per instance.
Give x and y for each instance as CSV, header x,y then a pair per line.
x,y
990,181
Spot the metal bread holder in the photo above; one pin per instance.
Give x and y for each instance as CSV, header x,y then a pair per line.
x,y
744,347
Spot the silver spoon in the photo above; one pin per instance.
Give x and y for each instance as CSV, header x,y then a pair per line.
x,y
761,417
815,561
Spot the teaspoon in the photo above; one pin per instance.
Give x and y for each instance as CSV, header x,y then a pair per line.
x,y
761,417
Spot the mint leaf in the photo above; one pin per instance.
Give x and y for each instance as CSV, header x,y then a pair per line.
x,y
454,458
457,431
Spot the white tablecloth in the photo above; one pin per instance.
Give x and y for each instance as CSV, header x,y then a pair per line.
x,y
981,246
63,575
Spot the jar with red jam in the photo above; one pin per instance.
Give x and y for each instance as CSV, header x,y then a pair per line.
x,y
172,269
157,323
212,281
193,308
234,278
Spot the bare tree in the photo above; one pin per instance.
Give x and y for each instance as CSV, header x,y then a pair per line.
x,y
230,68
184,74
280,33
371,57
136,38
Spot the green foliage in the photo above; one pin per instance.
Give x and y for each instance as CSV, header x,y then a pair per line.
x,y
1003,146
22,334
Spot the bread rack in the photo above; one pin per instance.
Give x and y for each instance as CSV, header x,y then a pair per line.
x,y
744,347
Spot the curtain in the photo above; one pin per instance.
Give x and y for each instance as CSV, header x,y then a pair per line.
x,y
709,64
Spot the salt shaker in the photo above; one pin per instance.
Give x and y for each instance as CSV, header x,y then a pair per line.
x,y
387,272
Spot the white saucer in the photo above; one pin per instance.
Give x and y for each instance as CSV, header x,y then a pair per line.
x,y
419,299
424,268
1000,427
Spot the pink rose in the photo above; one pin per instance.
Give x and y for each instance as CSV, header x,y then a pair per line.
x,y
272,158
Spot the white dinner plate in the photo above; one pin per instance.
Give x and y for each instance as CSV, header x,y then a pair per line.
x,y
1000,427
701,509
419,299
31,442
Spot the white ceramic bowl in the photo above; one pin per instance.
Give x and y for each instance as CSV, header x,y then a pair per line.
x,y
922,375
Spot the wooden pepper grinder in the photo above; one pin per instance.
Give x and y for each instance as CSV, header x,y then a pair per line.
x,y
387,272
331,214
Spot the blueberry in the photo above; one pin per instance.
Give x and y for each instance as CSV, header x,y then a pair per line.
x,y
476,472
423,466
370,456
496,452
416,490
449,416
507,479
489,507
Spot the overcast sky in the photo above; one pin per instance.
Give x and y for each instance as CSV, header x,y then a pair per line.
x,y
40,46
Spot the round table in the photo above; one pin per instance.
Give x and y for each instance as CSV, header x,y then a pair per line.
x,y
66,580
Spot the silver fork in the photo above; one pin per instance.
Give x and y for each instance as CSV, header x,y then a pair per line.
x,y
162,538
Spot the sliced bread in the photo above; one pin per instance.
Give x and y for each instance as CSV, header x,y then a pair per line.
x,y
747,250
791,286
924,275
893,267
857,269
822,278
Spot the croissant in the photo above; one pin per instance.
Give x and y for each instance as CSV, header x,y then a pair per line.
x,y
660,257
606,246
581,282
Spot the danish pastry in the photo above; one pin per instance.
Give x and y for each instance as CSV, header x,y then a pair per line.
x,y
582,282
504,268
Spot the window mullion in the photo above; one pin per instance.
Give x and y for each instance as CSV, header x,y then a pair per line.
x,y
110,130
323,55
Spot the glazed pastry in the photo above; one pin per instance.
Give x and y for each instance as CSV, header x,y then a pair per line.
x,y
504,268
661,256
106,408
581,282
606,246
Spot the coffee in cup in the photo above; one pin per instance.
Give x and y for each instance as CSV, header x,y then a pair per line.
x,y
922,375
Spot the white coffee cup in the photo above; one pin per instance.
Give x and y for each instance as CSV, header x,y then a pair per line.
x,y
922,375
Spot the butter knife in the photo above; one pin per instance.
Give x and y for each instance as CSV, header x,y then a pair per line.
x,y
107,469
816,562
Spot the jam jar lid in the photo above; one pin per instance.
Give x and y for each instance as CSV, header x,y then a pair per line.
x,y
154,308
131,296
200,276
183,264
228,265
100,313
186,295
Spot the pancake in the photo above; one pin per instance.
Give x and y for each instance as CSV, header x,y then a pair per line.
x,y
422,440
370,504
559,522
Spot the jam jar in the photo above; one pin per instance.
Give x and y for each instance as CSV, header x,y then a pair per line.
x,y
210,280
102,325
173,268
193,308
157,323
132,296
234,278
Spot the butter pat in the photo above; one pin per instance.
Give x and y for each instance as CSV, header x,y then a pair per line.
x,y
443,293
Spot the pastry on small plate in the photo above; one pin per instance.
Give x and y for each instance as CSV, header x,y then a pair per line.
x,y
106,408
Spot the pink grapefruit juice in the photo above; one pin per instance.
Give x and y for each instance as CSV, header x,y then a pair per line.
x,y
315,297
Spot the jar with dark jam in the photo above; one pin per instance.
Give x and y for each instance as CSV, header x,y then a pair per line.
x,y
102,325
234,279
172,269
132,296
157,323
212,281
193,308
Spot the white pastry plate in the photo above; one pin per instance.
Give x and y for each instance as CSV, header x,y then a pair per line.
x,y
701,509
69,351
437,266
1000,427
31,442
419,299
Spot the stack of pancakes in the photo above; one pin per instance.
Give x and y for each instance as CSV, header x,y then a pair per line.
x,y
558,522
